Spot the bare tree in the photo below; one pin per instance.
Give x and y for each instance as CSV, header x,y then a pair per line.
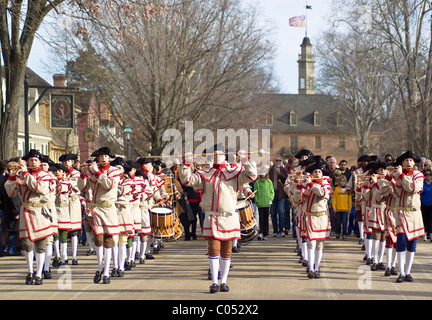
x,y
19,21
352,68
176,61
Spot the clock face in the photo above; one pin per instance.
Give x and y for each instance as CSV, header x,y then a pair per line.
x,y
61,112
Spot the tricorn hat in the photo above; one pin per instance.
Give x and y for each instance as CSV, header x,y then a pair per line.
x,y
102,151
47,159
68,156
60,166
315,166
33,153
133,164
364,158
304,152
144,160
407,155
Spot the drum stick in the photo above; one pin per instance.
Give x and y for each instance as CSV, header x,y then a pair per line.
x,y
251,195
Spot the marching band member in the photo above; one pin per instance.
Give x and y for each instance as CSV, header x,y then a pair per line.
x,y
53,242
86,200
63,188
125,216
104,181
219,199
388,190
376,216
137,189
158,195
366,208
32,185
315,195
74,202
352,187
409,222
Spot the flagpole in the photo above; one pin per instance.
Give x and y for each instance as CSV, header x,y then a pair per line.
x,y
306,16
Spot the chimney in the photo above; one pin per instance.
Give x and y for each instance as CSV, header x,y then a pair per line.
x,y
59,80
74,84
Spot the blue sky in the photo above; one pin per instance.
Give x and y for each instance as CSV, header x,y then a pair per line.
x,y
276,14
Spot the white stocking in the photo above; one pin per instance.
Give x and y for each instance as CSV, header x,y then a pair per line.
x,y
225,264
409,261
74,247
29,259
402,257
214,268
40,260
107,261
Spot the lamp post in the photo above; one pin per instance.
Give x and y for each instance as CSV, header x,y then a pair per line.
x,y
127,134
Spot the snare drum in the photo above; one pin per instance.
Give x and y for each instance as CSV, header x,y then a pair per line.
x,y
247,218
162,222
178,230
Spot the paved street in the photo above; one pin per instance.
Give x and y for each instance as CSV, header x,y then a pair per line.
x,y
262,270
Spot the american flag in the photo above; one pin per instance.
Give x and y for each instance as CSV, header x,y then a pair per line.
x,y
298,21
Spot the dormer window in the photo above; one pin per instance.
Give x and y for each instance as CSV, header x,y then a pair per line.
x,y
269,119
293,118
339,119
317,118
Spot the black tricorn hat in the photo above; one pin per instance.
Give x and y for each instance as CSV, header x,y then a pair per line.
x,y
118,162
315,166
47,159
68,156
369,167
102,151
364,157
312,160
303,152
144,160
60,166
407,155
133,164
377,165
33,153
214,148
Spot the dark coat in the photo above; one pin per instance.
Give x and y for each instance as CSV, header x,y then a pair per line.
x,y
10,207
278,180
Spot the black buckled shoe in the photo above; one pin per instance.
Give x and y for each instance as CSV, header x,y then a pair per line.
x,y
47,274
106,280
408,278
214,288
224,287
29,279
98,276
400,279
38,281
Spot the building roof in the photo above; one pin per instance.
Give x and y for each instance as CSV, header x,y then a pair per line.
x,y
304,106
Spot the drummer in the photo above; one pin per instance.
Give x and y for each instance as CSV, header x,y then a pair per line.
x,y
219,185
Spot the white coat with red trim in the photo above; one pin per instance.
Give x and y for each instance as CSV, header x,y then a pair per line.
x,y
408,216
219,186
314,197
103,185
32,188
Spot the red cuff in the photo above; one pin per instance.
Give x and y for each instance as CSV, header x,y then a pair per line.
x,y
299,187
97,174
401,175
13,178
83,176
160,200
388,178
